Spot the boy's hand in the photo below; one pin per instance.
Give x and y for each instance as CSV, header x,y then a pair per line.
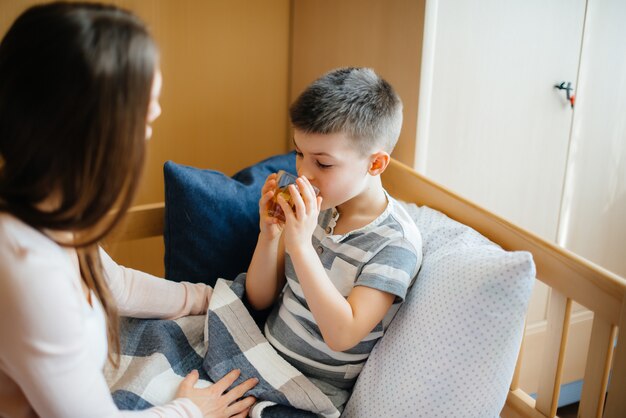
x,y
270,226
300,224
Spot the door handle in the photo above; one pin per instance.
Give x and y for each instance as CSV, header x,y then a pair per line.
x,y
567,86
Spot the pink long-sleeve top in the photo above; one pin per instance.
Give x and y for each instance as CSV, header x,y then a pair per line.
x,y
53,342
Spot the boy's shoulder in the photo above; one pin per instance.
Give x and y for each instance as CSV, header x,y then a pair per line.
x,y
403,226
402,235
404,223
393,227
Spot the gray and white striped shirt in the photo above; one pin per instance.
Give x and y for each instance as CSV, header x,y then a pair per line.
x,y
385,254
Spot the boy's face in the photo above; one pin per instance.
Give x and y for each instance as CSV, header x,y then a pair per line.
x,y
332,163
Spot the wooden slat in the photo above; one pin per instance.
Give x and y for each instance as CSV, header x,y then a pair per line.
x,y
559,311
597,369
520,404
616,401
588,284
142,221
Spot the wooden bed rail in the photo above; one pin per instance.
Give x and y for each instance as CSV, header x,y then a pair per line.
x,y
570,277
141,221
588,284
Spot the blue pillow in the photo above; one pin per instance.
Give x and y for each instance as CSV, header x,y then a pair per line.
x,y
212,220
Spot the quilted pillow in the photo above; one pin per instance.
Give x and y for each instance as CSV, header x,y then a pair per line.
x,y
453,345
212,220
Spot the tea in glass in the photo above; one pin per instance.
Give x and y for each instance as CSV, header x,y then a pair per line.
x,y
283,180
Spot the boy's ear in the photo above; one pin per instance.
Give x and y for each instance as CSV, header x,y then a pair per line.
x,y
378,163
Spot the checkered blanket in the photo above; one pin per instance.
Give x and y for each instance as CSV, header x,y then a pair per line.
x,y
157,354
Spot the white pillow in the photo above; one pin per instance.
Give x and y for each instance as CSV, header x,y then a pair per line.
x,y
452,347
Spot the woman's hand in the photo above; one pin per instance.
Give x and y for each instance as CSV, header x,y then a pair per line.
x,y
213,402
269,225
301,222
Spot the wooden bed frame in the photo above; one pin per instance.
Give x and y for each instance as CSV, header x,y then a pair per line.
x,y
570,278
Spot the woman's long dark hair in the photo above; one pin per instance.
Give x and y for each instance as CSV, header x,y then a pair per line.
x,y
75,83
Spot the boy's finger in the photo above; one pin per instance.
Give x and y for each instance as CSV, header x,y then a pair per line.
x,y
271,177
266,197
314,189
288,212
270,184
308,194
308,183
296,198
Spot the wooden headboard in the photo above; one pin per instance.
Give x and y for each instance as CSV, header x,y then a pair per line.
x,y
570,278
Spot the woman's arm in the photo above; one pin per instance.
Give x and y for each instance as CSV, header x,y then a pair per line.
x,y
47,345
141,295
53,345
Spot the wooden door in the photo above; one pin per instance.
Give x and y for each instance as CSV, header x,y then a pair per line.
x,y
491,123
593,220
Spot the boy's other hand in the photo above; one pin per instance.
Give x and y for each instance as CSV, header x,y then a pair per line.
x,y
269,225
301,222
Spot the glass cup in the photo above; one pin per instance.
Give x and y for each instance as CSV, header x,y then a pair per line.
x,y
283,180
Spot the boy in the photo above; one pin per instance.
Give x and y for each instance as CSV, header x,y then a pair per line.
x,y
347,256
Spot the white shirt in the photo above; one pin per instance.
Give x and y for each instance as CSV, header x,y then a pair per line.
x,y
53,342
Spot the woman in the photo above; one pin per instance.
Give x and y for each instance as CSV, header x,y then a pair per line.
x,y
79,87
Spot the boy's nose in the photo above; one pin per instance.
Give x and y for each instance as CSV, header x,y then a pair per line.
x,y
302,172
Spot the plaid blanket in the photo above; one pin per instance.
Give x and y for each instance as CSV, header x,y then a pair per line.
x,y
157,354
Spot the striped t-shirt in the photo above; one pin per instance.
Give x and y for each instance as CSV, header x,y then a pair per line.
x,y
385,254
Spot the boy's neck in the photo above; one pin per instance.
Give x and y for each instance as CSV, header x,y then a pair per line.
x,y
361,209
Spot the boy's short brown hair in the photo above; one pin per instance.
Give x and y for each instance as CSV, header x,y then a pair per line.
x,y
353,101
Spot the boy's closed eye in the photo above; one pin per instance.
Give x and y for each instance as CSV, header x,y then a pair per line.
x,y
317,162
